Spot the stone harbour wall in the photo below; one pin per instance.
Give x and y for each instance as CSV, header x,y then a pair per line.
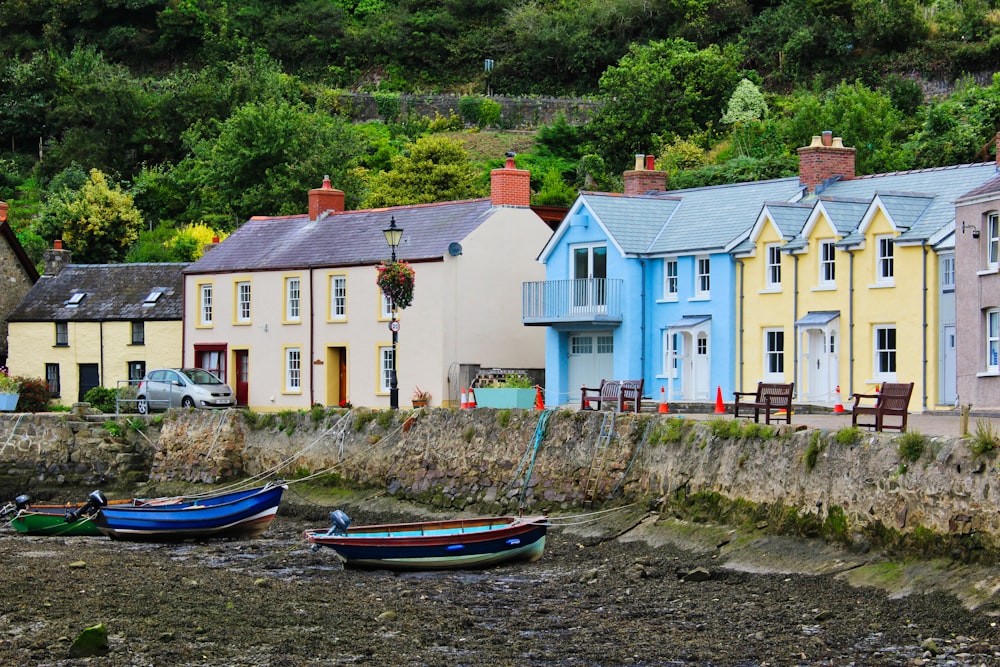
x,y
480,460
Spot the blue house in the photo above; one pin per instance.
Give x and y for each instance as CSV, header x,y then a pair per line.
x,y
642,285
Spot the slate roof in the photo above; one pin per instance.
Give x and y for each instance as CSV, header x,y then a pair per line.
x,y
344,239
112,292
634,221
990,187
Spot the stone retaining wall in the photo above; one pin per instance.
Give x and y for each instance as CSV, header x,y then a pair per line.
x,y
479,459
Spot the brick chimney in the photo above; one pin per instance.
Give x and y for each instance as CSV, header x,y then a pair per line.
x,y
325,199
510,186
56,259
644,177
824,158
3,211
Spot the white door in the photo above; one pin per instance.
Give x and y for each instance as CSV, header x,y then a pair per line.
x,y
701,370
818,377
591,359
949,388
590,271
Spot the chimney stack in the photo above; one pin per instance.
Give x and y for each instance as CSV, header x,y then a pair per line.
x,y
56,259
325,199
510,186
823,159
644,177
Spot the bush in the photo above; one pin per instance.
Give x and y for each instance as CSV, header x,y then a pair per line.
x,y
101,398
34,394
986,439
911,446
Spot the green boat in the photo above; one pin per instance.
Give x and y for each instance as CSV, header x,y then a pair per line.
x,y
71,519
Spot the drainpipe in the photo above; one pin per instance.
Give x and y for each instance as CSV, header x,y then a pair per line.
x,y
923,319
312,340
795,318
101,329
739,347
850,322
184,288
642,323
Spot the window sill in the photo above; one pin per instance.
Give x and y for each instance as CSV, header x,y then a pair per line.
x,y
135,344
824,288
770,290
701,297
881,380
668,299
881,285
988,374
990,271
61,345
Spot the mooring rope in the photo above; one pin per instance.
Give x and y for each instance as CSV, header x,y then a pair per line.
x,y
573,519
540,428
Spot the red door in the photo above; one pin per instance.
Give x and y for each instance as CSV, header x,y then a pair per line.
x,y
242,376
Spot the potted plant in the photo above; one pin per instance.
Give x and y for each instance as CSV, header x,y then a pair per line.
x,y
420,398
515,391
10,391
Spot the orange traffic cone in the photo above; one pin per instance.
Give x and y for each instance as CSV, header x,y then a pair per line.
x,y
839,407
586,401
472,398
664,408
539,399
720,407
465,400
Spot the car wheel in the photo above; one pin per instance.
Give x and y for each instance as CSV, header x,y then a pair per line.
x,y
188,402
142,406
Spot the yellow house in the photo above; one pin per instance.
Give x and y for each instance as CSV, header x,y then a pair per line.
x,y
850,286
86,325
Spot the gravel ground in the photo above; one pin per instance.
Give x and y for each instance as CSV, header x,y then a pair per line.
x,y
592,599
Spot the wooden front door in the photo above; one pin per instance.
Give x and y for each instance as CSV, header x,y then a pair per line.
x,y
242,388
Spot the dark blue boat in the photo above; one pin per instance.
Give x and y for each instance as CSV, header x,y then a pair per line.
x,y
435,545
245,513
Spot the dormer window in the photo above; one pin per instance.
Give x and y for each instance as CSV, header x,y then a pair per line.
x,y
74,300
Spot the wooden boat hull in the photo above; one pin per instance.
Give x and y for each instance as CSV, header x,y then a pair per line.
x,y
240,514
438,545
50,520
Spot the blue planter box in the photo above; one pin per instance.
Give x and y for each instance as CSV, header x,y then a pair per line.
x,y
505,398
8,402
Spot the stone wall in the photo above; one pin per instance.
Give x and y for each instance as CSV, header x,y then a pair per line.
x,y
479,460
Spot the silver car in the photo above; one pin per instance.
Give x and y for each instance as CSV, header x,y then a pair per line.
x,y
182,387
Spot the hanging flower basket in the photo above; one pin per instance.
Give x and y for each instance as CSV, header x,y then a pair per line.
x,y
395,279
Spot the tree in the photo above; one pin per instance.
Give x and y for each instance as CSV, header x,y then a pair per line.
x,y
101,223
434,169
665,88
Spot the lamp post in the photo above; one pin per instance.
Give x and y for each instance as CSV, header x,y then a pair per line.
x,y
392,236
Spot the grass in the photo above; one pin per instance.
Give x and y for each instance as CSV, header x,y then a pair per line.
x,y
985,440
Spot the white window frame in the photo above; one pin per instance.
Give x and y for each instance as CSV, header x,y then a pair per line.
x,y
338,297
993,341
772,269
702,277
884,357
385,368
386,307
293,369
774,354
293,299
827,263
206,311
670,280
993,240
885,259
243,301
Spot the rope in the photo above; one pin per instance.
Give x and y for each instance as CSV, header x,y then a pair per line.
x,y
540,428
559,522
13,429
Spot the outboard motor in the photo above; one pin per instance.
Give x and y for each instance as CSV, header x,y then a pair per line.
x,y
340,522
95,501
20,503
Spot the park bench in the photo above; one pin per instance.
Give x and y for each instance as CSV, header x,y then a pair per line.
x,y
617,395
892,400
770,397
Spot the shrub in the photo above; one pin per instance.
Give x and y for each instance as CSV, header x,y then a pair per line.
x,y
35,394
911,445
813,451
848,436
985,440
101,398
725,428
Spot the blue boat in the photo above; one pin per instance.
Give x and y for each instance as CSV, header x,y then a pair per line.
x,y
434,545
245,513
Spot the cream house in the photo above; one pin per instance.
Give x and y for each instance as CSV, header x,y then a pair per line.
x,y
288,312
86,325
17,275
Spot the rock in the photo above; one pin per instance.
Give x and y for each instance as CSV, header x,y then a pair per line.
x,y
930,646
697,574
92,641
78,564
386,617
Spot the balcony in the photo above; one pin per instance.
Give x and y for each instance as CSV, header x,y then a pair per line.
x,y
588,301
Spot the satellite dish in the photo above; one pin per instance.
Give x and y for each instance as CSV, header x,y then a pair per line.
x,y
454,249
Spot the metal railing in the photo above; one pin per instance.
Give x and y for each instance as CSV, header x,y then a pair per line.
x,y
583,300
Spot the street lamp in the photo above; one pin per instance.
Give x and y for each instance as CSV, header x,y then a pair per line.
x,y
392,236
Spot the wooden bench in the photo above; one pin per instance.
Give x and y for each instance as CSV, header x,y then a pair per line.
x,y
769,397
613,395
892,401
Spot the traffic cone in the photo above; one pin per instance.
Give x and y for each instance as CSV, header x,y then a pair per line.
x,y
465,400
839,407
720,407
664,408
539,399
472,398
586,402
